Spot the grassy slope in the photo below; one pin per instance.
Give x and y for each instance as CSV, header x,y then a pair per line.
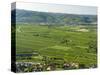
x,y
49,42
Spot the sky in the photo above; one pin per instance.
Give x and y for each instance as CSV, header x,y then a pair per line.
x,y
57,8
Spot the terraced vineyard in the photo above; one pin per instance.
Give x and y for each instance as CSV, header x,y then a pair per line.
x,y
72,44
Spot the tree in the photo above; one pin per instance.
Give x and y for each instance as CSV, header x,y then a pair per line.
x,y
92,46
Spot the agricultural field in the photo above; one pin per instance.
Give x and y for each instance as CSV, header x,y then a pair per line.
x,y
57,44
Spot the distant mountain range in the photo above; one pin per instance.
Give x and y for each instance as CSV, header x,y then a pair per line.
x,y
25,16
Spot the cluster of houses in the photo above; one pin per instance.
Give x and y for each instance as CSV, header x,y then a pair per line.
x,y
50,66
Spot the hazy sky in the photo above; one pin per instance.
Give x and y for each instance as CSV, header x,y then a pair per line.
x,y
57,8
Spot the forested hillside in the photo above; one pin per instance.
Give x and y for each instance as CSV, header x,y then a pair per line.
x,y
24,16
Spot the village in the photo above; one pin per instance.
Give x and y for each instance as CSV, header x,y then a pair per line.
x,y
48,64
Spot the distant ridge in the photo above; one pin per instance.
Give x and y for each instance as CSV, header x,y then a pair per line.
x,y
25,16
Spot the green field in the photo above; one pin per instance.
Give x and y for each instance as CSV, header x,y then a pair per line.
x,y
71,43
